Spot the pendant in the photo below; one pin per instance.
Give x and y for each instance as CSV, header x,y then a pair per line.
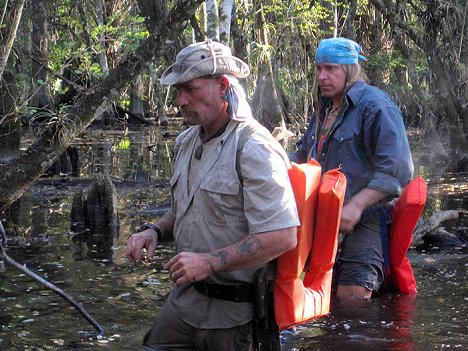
x,y
198,152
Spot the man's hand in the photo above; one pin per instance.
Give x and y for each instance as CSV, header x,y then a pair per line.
x,y
147,239
352,210
350,215
189,267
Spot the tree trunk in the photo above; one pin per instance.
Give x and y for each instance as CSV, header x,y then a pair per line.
x,y
10,124
212,19
137,88
239,40
197,31
348,28
442,88
421,99
5,45
102,54
266,103
84,22
376,75
23,171
327,20
267,107
225,21
154,12
94,219
39,38
136,97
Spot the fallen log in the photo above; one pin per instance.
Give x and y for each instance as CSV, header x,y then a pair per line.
x,y
438,229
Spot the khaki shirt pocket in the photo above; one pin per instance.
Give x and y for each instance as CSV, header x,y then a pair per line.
x,y
222,200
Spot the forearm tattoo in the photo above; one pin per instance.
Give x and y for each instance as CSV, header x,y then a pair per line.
x,y
248,247
222,256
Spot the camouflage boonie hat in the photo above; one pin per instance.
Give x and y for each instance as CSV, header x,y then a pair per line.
x,y
204,59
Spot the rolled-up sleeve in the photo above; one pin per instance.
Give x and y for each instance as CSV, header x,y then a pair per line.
x,y
386,136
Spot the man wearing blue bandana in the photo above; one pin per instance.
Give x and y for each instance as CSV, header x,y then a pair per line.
x,y
359,128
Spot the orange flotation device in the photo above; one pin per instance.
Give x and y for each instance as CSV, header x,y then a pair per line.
x,y
405,215
297,301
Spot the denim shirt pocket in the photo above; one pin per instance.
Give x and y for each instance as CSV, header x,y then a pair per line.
x,y
343,136
341,148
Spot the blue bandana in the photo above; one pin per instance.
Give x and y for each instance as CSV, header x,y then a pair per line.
x,y
338,50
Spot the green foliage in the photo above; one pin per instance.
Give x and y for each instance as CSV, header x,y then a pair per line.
x,y
123,144
385,59
122,30
125,102
76,39
294,27
260,54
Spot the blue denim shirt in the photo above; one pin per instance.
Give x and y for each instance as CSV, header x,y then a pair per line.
x,y
368,140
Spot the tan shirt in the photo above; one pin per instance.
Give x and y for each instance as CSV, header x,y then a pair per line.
x,y
213,209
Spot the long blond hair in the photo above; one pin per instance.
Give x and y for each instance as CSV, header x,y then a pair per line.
x,y
354,72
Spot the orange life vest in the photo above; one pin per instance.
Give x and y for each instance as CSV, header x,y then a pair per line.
x,y
319,202
405,215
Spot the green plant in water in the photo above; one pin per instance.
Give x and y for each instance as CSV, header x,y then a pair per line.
x,y
59,124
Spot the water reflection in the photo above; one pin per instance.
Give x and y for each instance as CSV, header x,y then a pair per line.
x,y
124,298
385,323
138,155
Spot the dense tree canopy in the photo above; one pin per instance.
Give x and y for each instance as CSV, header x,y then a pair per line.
x,y
70,62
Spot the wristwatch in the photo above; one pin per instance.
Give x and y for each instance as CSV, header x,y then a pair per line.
x,y
145,226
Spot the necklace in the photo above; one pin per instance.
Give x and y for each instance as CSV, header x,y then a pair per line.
x,y
331,113
204,139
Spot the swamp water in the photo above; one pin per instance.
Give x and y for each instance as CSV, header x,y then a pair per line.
x,y
124,298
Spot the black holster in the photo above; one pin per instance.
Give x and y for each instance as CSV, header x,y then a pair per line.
x,y
265,330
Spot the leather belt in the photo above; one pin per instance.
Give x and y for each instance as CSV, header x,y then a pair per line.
x,y
235,293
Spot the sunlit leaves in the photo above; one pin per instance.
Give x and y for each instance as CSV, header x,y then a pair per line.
x,y
124,144
260,53
95,70
122,31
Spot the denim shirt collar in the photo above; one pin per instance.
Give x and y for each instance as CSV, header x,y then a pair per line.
x,y
355,92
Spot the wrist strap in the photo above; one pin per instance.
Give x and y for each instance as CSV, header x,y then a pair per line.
x,y
145,226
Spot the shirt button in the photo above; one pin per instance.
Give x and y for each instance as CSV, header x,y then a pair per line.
x,y
341,139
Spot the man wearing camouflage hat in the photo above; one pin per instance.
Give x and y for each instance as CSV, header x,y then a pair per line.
x,y
232,212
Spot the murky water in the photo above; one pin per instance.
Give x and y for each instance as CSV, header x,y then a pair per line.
x,y
125,298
